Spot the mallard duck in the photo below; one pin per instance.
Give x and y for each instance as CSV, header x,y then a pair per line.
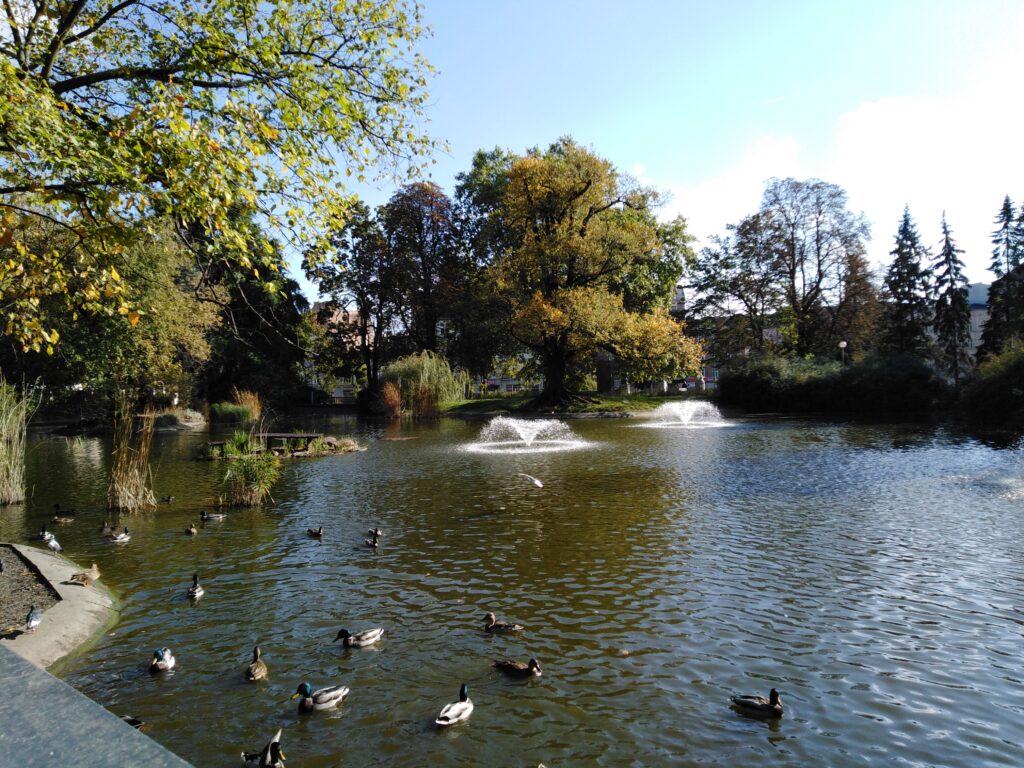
x,y
134,722
162,661
195,591
759,705
166,499
323,698
191,530
499,627
359,639
258,669
207,517
518,668
90,576
62,519
34,619
121,538
532,479
107,530
457,711
270,756
375,532
316,533
53,544
374,542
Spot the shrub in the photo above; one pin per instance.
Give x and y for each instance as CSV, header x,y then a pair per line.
x,y
424,381
250,477
391,400
229,413
996,395
900,385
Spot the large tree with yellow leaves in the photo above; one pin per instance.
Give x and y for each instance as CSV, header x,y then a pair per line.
x,y
581,265
114,110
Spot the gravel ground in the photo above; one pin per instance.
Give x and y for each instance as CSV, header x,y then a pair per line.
x,y
20,589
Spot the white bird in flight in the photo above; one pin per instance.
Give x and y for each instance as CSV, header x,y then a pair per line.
x,y
532,479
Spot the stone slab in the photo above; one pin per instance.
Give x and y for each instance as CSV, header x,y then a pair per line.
x,y
46,723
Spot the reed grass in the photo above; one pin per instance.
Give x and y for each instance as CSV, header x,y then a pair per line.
x,y
391,399
249,400
16,408
230,413
251,475
130,488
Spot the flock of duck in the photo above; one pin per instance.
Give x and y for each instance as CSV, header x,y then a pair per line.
x,y
310,699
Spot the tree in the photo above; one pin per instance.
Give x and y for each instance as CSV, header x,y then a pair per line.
x,y
361,273
741,271
1004,329
115,110
812,234
859,307
952,307
1008,240
574,234
908,312
419,224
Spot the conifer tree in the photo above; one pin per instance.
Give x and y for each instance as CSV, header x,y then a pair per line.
x,y
908,312
1008,239
952,308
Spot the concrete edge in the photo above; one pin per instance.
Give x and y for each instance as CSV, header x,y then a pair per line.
x,y
79,617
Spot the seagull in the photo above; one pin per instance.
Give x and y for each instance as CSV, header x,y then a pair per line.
x,y
532,479
34,619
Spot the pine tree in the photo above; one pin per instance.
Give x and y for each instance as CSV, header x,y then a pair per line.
x,y
1008,239
952,308
908,311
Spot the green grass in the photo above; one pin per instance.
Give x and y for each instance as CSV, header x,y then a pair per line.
x,y
230,413
521,404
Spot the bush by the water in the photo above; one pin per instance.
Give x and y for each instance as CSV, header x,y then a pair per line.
x,y
900,385
250,477
996,395
230,413
424,381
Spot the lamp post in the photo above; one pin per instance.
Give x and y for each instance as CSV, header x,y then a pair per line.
x,y
842,351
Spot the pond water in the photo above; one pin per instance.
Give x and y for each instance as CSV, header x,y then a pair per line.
x,y
872,573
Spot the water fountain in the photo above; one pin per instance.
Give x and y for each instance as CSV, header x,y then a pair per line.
x,y
504,434
686,414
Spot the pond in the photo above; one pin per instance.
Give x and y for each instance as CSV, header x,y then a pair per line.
x,y
871,573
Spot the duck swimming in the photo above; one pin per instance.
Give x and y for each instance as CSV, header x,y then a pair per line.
x,y
106,530
457,711
759,705
121,538
518,668
375,541
195,591
257,670
206,517
316,533
191,530
500,627
360,639
162,661
270,756
323,698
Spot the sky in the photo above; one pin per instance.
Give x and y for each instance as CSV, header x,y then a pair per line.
x,y
902,102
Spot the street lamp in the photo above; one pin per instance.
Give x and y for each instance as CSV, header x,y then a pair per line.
x,y
842,351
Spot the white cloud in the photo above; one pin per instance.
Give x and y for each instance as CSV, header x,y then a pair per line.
x,y
959,153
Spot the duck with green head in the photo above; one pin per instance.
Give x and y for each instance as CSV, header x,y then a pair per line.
x,y
759,705
271,756
360,639
457,711
162,661
322,698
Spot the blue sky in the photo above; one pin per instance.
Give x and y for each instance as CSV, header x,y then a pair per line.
x,y
899,102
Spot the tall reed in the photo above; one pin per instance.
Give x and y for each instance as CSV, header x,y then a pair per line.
x,y
16,407
252,473
249,400
391,399
129,488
